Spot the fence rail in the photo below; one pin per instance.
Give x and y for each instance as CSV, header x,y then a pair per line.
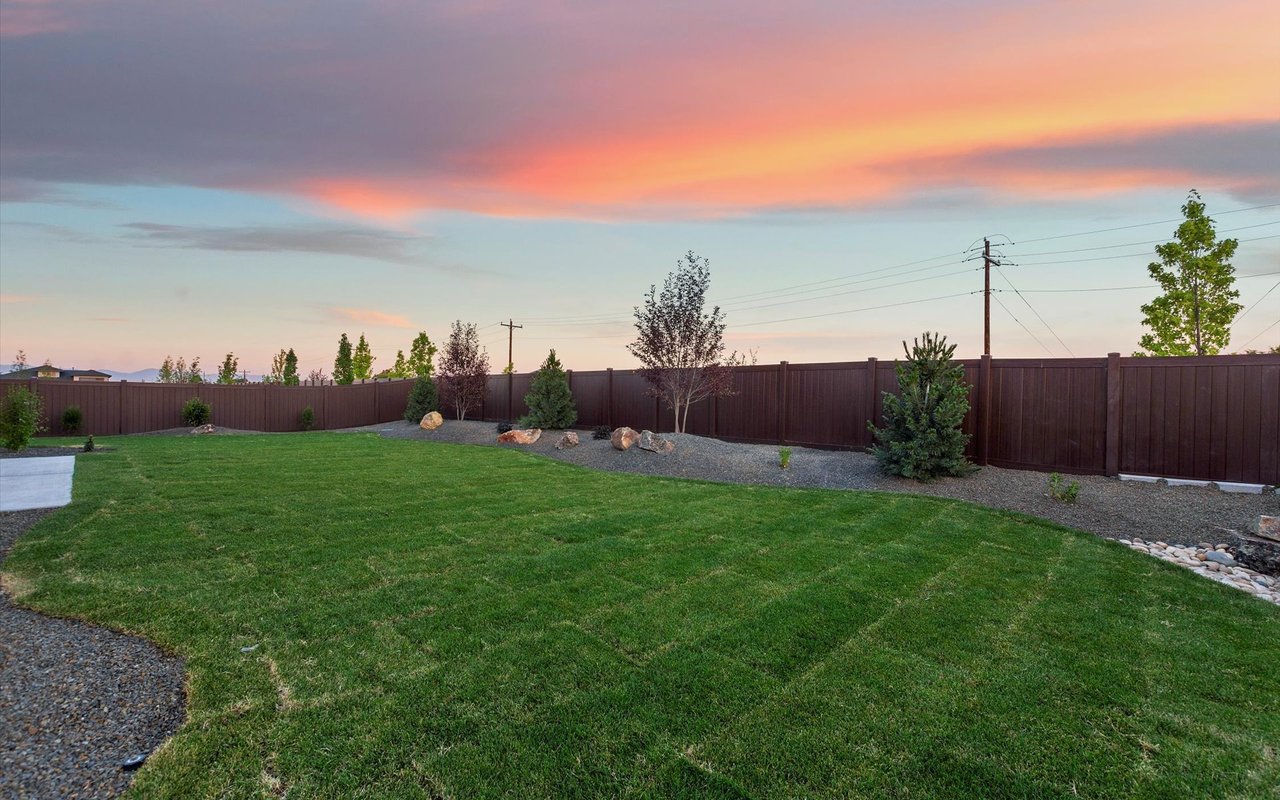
x,y
1212,418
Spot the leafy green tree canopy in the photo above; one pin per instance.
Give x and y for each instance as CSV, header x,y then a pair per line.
x,y
1193,315
422,355
290,375
362,360
343,371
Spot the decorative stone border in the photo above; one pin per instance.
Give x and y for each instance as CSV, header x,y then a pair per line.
x,y
1214,563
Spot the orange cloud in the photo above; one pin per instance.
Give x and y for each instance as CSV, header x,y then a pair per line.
x,y
16,298
365,316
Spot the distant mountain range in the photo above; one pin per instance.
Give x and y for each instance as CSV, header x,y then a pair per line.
x,y
147,375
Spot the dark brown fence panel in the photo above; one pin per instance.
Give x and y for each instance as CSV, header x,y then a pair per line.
x,y
1048,413
827,404
633,406
284,405
99,405
393,396
350,406
591,396
1211,418
751,413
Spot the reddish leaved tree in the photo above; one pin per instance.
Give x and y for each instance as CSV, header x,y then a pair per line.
x,y
679,344
464,370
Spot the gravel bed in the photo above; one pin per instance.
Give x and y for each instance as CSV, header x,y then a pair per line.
x,y
77,700
1108,507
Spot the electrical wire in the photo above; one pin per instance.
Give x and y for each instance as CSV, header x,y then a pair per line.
x,y
1140,225
1024,327
1259,333
1141,254
856,310
1245,313
1138,244
1033,311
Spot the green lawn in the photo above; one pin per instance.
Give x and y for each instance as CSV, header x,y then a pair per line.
x,y
447,621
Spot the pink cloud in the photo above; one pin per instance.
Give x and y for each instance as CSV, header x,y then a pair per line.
x,y
366,316
17,298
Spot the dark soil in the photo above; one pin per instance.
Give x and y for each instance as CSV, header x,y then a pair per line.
x,y
76,700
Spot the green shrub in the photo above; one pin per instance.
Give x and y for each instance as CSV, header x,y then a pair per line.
x,y
196,412
784,457
550,400
423,399
504,426
922,437
71,419
1059,489
601,432
307,419
21,417
88,445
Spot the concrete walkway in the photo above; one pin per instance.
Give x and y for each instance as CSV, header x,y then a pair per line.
x,y
27,483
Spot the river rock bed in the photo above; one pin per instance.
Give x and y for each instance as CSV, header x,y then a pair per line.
x,y
1214,562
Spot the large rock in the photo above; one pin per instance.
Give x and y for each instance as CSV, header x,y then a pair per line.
x,y
526,436
622,438
1267,527
655,444
431,421
204,429
570,439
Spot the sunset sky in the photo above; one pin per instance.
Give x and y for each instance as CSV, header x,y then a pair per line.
x,y
199,177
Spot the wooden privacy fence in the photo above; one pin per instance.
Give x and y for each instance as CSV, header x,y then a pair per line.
x,y
1211,418
127,407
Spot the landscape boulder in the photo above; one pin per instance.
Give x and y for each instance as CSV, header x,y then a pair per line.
x,y
1267,527
203,429
519,436
655,444
431,421
570,439
622,438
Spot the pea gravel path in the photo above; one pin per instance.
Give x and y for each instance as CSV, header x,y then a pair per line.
x,y
76,700
1108,507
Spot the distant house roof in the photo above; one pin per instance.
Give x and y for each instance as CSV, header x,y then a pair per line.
x,y
63,374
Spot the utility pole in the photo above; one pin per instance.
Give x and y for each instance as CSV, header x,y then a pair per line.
x,y
511,326
986,297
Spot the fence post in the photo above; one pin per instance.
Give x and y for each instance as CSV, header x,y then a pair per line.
x,y
1113,414
782,402
511,376
873,397
609,394
120,410
984,410
377,409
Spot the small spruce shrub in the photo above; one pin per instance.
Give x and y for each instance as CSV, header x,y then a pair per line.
x,y
601,432
21,417
922,437
307,419
423,399
1060,490
88,445
196,412
550,400
72,419
784,457
504,426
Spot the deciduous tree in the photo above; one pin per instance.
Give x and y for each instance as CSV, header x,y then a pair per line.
x,y
679,344
1193,316
230,366
464,370
422,355
362,360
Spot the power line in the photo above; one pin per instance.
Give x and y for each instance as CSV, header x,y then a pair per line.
x,y
1142,254
841,278
1138,244
1141,225
856,310
1024,327
1259,300
1259,333
1037,313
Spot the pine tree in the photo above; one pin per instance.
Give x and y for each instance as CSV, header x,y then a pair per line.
x,y
550,400
362,360
922,437
423,399
342,370
291,368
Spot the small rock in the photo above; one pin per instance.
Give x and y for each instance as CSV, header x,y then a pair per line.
x,y
518,436
1267,527
654,443
1138,540
133,762
570,439
204,429
1220,557
1205,546
1213,567
1161,545
1125,541
431,420
622,438
1201,557
249,649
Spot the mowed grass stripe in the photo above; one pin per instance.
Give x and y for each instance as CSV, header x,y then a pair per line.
x,y
449,621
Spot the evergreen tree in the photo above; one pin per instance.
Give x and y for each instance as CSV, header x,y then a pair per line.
x,y
549,399
423,399
362,360
343,373
400,369
166,372
1194,314
922,437
422,355
290,376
